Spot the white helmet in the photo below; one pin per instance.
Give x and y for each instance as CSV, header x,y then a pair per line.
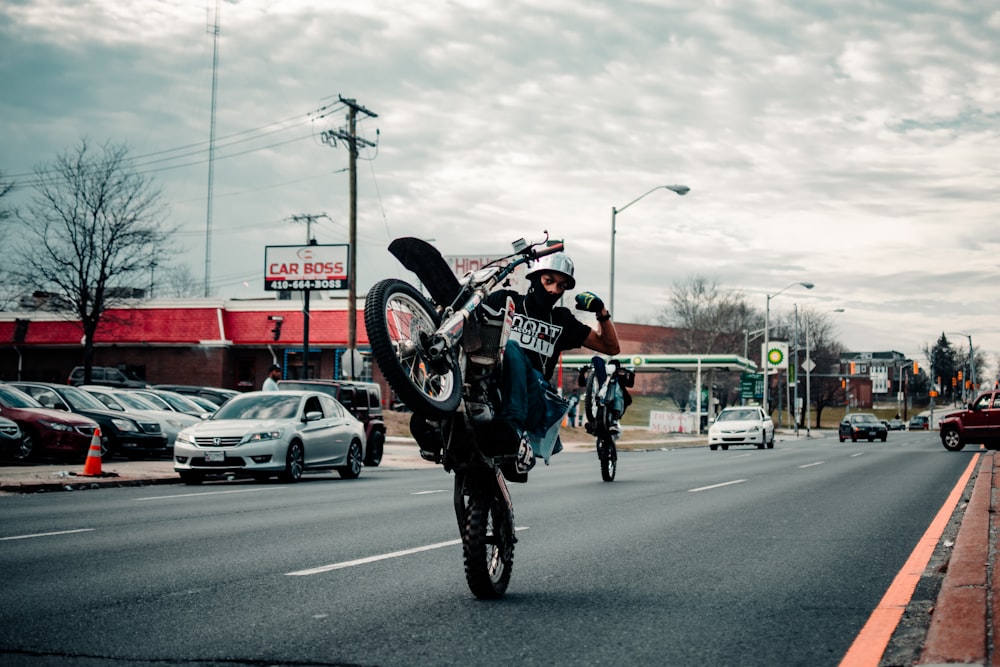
x,y
557,262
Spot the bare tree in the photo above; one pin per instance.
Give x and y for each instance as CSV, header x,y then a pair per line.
x,y
7,289
824,350
89,234
178,281
708,319
6,187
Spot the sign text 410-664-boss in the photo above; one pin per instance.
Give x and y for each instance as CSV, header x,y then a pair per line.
x,y
306,267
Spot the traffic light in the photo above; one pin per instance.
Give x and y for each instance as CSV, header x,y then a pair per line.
x,y
843,383
960,376
852,368
916,368
954,381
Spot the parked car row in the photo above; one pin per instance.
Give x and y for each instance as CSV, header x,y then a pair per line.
x,y
56,420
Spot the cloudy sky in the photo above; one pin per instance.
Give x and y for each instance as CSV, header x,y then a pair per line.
x,y
852,144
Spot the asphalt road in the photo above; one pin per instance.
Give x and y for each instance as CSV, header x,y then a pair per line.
x,y
691,557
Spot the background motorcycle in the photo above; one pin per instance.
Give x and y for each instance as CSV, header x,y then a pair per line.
x,y
605,401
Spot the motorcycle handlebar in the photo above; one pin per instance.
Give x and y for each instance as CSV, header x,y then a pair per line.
x,y
548,250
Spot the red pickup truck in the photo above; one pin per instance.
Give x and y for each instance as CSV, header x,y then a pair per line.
x,y
977,425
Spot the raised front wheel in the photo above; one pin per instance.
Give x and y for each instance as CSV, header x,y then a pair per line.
x,y
400,321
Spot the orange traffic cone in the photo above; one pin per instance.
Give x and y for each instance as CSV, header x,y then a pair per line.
x,y
92,466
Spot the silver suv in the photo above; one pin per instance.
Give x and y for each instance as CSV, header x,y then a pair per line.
x,y
108,376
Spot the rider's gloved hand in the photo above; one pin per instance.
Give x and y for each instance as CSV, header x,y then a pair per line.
x,y
589,301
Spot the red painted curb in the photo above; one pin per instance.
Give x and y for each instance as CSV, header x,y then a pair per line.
x,y
958,629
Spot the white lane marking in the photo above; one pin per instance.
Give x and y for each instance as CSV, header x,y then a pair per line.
x,y
375,559
857,454
61,532
212,493
810,465
424,493
716,486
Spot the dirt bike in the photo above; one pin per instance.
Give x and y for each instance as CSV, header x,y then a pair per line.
x,y
442,357
604,403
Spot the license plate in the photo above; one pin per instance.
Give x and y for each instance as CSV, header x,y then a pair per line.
x,y
215,456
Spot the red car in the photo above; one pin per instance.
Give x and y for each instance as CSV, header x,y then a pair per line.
x,y
45,432
978,424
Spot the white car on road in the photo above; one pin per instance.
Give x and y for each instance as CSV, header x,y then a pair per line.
x,y
744,425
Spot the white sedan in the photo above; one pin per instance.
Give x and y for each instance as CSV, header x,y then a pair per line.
x,y
265,433
746,425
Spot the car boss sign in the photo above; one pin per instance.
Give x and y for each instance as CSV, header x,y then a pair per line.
x,y
305,267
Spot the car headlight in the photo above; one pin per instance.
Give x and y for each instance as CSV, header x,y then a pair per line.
x,y
755,428
55,426
124,425
261,436
184,438
173,422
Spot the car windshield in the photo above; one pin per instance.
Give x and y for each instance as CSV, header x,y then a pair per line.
x,y
178,402
865,418
260,406
134,401
15,398
738,416
155,399
81,400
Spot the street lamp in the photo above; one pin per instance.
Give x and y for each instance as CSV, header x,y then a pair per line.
x,y
765,362
679,189
809,366
972,362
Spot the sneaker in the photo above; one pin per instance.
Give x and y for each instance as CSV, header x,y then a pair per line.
x,y
525,455
615,429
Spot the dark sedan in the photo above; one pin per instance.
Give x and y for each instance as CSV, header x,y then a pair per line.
x,y
861,425
53,432
124,435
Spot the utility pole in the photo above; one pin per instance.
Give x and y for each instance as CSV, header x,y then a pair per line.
x,y
352,139
309,219
211,152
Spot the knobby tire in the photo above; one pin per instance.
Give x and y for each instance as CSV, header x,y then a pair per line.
x,y
487,544
609,458
396,315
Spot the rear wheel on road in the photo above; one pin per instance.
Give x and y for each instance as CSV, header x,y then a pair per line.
x,y
354,462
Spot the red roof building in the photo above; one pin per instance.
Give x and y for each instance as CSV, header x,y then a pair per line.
x,y
184,341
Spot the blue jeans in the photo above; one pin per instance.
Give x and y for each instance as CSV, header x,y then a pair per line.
x,y
529,403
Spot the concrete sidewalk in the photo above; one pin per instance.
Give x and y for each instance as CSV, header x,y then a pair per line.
x,y
966,617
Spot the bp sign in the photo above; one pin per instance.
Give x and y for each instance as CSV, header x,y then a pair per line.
x,y
776,354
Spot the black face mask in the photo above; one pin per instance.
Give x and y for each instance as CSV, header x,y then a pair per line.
x,y
537,301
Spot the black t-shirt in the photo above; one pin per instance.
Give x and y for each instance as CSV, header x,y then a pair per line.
x,y
543,339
